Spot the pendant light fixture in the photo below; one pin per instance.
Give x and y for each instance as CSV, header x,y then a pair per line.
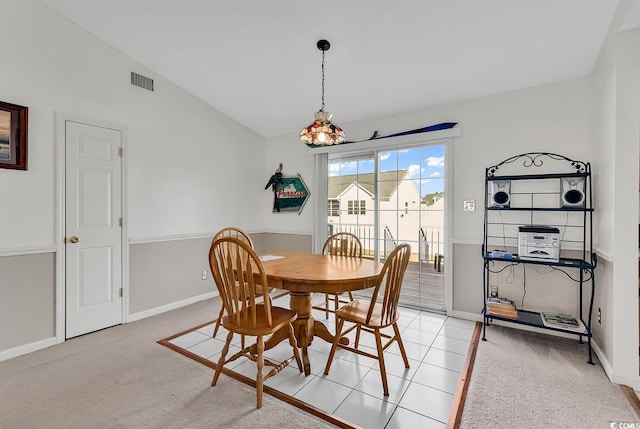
x,y
322,132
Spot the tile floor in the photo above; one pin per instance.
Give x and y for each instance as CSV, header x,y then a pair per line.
x,y
420,396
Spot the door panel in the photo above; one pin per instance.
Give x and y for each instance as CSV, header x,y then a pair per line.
x,y
95,267
93,212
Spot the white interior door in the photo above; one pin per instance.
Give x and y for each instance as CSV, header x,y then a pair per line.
x,y
93,228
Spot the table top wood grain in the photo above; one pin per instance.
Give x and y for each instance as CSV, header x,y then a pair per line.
x,y
308,272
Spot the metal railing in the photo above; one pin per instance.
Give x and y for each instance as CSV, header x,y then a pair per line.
x,y
365,232
429,241
389,243
423,246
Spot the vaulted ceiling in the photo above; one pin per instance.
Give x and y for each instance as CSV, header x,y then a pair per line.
x,y
257,61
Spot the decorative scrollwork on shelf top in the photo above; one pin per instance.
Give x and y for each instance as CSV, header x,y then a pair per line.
x,y
536,159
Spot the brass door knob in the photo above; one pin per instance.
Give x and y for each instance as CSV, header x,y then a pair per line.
x,y
74,239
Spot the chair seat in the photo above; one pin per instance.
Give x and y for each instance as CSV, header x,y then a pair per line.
x,y
280,317
356,312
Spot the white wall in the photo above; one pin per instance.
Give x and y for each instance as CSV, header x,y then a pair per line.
x,y
190,168
615,89
627,141
551,118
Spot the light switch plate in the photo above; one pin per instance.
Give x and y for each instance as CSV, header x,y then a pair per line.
x,y
469,205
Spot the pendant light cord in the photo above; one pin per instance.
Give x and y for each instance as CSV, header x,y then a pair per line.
x,y
322,108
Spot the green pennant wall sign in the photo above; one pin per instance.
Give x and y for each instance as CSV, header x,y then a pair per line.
x,y
290,194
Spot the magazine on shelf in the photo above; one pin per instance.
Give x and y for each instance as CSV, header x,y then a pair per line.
x,y
563,321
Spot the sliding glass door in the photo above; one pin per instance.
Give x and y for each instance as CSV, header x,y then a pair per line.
x,y
390,197
351,199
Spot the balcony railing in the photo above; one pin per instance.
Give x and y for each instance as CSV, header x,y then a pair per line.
x,y
429,239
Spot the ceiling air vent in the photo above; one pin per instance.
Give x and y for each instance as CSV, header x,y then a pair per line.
x,y
141,81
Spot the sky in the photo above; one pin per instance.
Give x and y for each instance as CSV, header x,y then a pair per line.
x,y
425,164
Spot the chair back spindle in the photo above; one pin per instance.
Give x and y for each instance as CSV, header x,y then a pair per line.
x,y
343,244
232,231
389,284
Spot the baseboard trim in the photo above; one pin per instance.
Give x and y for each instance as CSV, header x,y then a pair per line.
x,y
476,317
27,348
168,307
603,359
604,255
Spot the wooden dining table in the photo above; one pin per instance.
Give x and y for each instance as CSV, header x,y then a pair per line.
x,y
302,274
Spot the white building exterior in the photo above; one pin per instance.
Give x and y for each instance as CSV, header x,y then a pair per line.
x,y
405,216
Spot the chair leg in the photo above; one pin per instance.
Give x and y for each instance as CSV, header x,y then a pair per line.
x,y
334,346
383,369
215,330
336,303
326,305
294,343
357,337
220,363
260,375
400,345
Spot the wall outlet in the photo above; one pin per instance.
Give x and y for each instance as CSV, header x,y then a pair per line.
x,y
204,274
599,316
493,292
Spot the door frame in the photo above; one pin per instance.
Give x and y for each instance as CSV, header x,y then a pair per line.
x,y
60,217
444,137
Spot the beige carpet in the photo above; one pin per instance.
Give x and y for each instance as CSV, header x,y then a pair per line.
x,y
121,378
528,380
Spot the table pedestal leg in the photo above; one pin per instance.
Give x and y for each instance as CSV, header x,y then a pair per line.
x,y
305,328
320,330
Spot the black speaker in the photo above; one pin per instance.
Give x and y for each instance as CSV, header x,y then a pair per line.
x,y
572,192
500,193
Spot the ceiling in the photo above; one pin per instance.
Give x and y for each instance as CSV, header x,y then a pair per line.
x,y
257,61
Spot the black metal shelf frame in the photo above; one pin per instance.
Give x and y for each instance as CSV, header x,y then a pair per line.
x,y
585,266
541,209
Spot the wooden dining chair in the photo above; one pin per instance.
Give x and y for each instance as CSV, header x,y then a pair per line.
x,y
341,244
229,231
378,313
238,274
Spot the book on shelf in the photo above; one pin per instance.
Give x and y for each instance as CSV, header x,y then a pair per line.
x,y
563,321
502,307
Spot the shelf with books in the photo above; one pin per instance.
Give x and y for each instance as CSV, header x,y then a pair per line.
x,y
501,307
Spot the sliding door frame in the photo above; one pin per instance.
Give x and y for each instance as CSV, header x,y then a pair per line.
x,y
321,165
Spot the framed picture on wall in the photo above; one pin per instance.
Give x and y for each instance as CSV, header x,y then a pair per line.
x,y
13,136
